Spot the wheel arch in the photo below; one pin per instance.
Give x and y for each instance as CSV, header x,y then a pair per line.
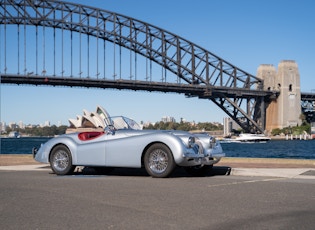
x,y
68,141
73,156
55,146
174,144
148,146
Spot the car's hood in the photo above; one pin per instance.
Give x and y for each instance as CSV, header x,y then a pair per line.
x,y
183,135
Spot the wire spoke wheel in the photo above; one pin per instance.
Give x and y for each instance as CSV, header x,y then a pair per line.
x,y
159,161
61,160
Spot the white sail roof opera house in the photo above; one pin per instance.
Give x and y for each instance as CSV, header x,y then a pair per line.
x,y
97,121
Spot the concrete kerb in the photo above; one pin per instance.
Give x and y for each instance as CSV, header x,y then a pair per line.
x,y
269,161
37,167
275,172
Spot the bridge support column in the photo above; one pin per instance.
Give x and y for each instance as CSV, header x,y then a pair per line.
x,y
284,111
263,113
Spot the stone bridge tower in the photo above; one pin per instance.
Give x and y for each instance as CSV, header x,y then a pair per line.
x,y
285,111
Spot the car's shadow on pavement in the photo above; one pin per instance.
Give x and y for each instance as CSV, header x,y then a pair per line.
x,y
178,172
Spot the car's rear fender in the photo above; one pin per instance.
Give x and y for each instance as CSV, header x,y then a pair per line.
x,y
43,153
66,141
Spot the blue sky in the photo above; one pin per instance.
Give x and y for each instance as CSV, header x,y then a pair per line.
x,y
245,33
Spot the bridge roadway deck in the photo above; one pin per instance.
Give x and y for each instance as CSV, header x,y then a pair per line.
x,y
307,96
199,90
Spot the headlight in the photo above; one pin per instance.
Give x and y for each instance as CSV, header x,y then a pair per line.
x,y
191,141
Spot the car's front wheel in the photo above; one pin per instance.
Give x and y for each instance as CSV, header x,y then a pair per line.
x,y
61,161
159,161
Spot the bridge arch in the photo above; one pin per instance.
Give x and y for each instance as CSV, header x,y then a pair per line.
x,y
200,73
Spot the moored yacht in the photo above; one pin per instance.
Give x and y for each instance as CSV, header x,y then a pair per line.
x,y
248,137
14,134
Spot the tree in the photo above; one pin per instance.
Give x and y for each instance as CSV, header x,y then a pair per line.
x,y
276,132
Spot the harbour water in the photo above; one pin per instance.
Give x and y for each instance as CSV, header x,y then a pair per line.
x,y
293,149
21,145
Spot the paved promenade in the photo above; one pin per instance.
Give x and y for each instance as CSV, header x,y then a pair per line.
x,y
288,168
239,193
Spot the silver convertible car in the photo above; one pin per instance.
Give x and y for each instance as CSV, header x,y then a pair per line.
x,y
122,143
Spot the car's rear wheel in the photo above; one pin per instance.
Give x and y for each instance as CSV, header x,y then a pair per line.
x,y
159,161
61,161
199,170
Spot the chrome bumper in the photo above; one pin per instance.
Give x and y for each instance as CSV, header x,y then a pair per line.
x,y
202,159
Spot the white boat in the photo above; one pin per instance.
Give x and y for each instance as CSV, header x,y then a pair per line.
x,y
248,137
14,134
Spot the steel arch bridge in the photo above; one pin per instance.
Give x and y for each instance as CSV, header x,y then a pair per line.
x,y
46,42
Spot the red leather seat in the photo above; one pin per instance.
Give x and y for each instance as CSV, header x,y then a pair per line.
x,y
85,136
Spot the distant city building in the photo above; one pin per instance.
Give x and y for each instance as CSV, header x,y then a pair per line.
x,y
148,123
12,125
21,125
229,125
218,124
168,119
3,127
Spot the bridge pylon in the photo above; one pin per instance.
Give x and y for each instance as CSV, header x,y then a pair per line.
x,y
285,110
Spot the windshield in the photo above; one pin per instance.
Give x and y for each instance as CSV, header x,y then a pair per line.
x,y
125,123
